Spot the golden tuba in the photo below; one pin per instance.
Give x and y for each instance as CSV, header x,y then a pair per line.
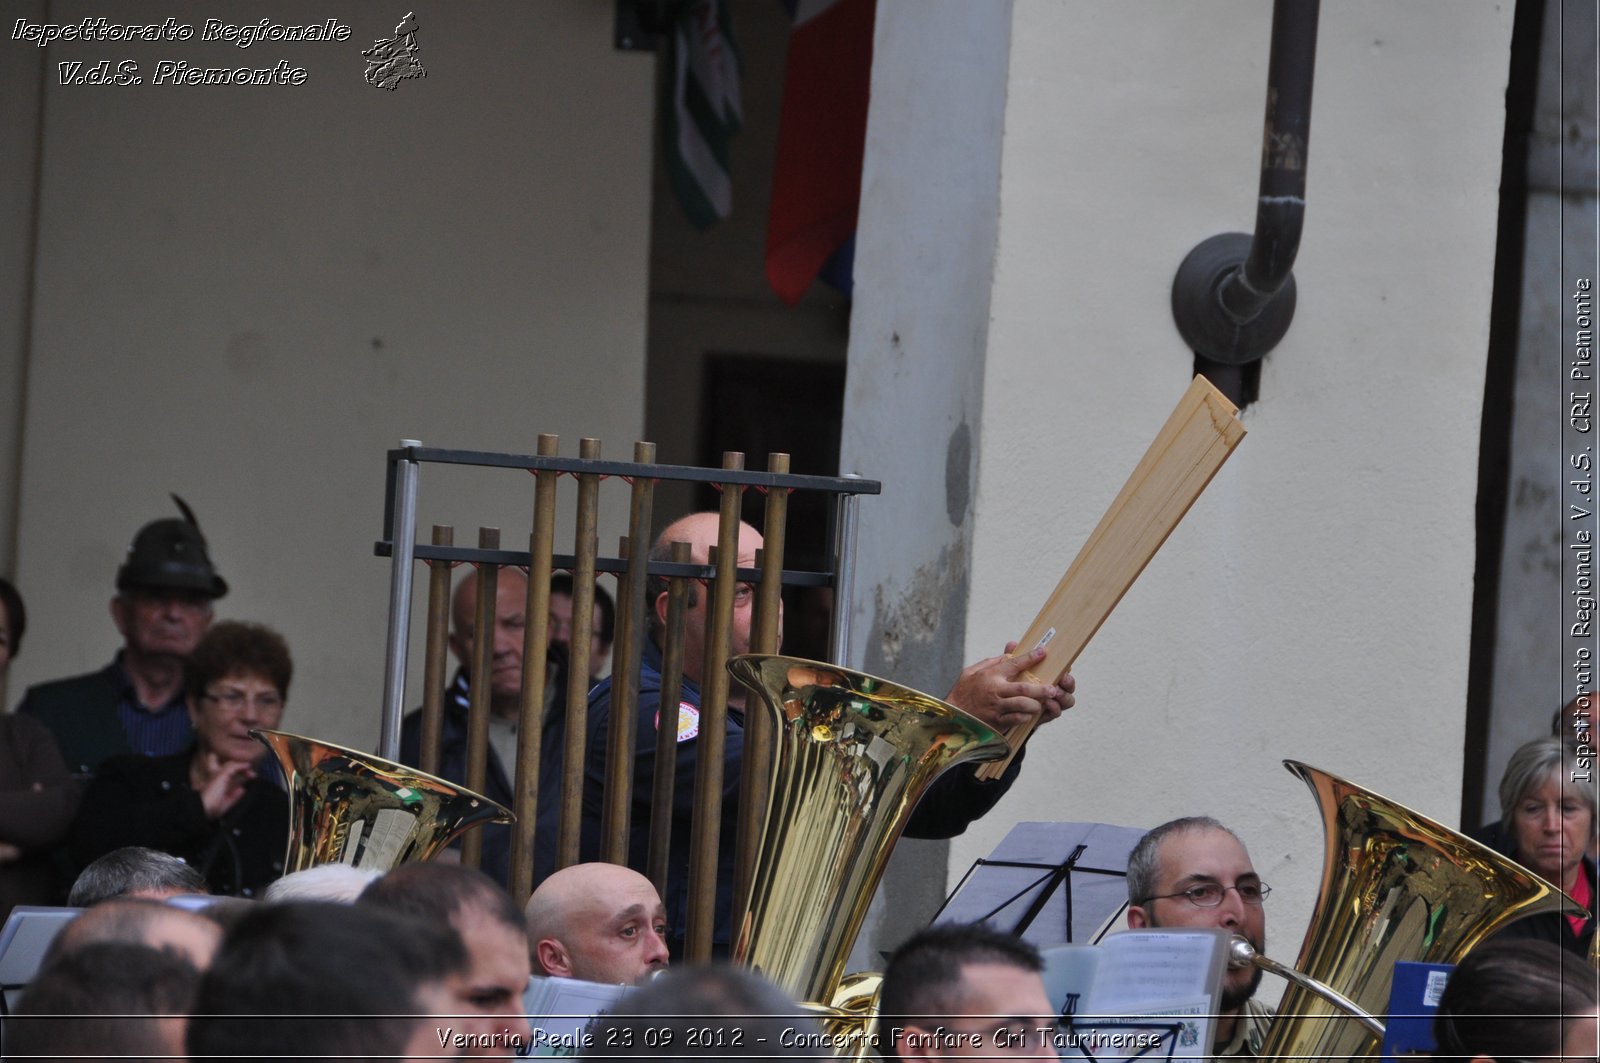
x,y
347,807
854,753
1395,886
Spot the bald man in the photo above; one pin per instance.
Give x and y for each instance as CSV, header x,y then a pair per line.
x,y
992,690
141,921
505,700
597,922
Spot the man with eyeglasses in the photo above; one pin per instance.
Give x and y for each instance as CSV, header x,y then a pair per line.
x,y
136,704
1194,872
994,690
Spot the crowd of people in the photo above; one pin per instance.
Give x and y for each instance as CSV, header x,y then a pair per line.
x,y
140,786
435,960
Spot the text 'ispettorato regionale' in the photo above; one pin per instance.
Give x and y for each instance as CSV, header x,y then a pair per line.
x,y
177,71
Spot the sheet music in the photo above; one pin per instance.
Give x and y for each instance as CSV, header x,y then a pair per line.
x,y
562,1010
1141,966
1180,1029
23,941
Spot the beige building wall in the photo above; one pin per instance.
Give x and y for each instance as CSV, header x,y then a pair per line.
x,y
1315,603
246,295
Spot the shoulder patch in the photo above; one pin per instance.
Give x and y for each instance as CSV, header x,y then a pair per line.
x,y
688,720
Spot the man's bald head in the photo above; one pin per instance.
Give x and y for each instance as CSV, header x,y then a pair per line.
x,y
700,531
510,618
598,922
137,921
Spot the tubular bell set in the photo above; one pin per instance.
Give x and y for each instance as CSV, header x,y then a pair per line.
x,y
633,569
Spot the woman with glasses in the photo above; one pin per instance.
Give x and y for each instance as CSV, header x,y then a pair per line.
x,y
1548,822
218,805
1517,1000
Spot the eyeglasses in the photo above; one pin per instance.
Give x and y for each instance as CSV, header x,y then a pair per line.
x,y
235,700
1209,894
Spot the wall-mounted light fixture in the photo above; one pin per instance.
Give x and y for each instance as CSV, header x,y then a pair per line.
x,y
1234,295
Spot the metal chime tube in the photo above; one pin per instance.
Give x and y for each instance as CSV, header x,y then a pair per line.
x,y
483,633
705,834
535,639
434,655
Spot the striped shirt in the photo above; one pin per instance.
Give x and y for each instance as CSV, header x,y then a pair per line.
x,y
153,732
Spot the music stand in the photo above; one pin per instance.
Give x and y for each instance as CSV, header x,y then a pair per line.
x,y
23,941
1049,883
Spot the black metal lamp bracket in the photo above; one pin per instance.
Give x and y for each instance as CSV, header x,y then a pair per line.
x,y
1234,295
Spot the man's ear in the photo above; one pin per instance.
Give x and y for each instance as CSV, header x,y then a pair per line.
x,y
119,615
914,1042
1137,918
661,608
551,956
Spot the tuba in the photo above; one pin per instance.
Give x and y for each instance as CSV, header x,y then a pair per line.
x,y
347,807
1395,886
853,755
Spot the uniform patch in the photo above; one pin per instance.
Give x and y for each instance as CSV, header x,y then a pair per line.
x,y
688,721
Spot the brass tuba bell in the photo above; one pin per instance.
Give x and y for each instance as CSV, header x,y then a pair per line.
x,y
1395,886
348,807
854,754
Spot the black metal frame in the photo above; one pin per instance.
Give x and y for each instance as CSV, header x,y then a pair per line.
x,y
384,547
401,472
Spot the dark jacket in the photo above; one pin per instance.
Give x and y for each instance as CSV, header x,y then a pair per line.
x,y
950,804
149,801
1553,927
498,777
38,797
81,714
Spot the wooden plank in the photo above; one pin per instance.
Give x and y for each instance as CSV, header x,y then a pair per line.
x,y
1197,438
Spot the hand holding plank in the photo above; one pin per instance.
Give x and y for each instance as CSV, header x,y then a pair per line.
x,y
1000,692
1186,454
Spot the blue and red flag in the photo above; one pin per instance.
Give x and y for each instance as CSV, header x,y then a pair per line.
x,y
822,135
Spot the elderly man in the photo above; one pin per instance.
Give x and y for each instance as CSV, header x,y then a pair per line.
x,y
505,706
1194,872
488,992
134,871
136,703
597,922
992,690
965,990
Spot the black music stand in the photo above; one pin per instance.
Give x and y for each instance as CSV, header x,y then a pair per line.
x,y
1049,883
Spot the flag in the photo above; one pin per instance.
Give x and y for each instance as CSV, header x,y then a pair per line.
x,y
822,137
704,111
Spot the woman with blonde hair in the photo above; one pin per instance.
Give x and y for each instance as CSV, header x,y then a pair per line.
x,y
1547,824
